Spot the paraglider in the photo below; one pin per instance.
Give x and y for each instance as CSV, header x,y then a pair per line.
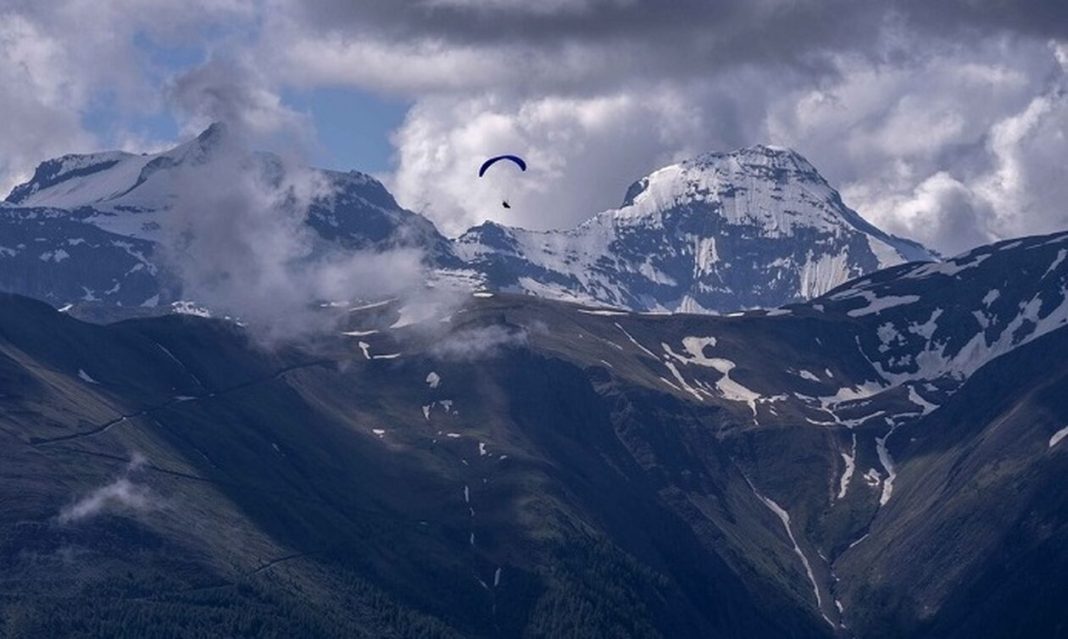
x,y
490,162
518,161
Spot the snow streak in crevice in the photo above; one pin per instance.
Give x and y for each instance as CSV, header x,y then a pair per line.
x,y
784,517
850,466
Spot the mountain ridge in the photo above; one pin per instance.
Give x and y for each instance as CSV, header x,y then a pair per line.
x,y
755,227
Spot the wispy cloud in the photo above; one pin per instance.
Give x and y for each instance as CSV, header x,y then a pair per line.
x,y
120,495
238,238
470,344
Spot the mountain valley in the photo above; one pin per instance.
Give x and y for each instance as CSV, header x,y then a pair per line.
x,y
851,466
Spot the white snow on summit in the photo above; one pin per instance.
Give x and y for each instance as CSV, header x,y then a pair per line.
x,y
758,227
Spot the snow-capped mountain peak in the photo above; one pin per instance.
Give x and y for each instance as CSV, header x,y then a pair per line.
x,y
86,227
770,187
59,181
711,173
755,227
109,178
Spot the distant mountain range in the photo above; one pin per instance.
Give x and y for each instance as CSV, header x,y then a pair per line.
x,y
754,228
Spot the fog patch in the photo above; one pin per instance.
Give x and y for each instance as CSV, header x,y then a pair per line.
x,y
469,344
120,495
238,238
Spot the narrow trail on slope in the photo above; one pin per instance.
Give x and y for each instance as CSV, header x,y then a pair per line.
x,y
274,562
226,583
38,441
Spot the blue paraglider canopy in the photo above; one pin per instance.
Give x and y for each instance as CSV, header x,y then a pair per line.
x,y
490,162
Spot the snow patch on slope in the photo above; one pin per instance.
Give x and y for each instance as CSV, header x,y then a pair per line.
x,y
850,460
1058,436
878,304
824,273
888,464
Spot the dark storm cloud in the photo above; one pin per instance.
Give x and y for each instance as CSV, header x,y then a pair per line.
x,y
639,38
781,31
1039,18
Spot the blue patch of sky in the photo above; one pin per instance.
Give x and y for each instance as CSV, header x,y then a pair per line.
x,y
353,126
110,120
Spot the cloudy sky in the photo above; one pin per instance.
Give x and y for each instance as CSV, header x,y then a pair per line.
x,y
943,121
